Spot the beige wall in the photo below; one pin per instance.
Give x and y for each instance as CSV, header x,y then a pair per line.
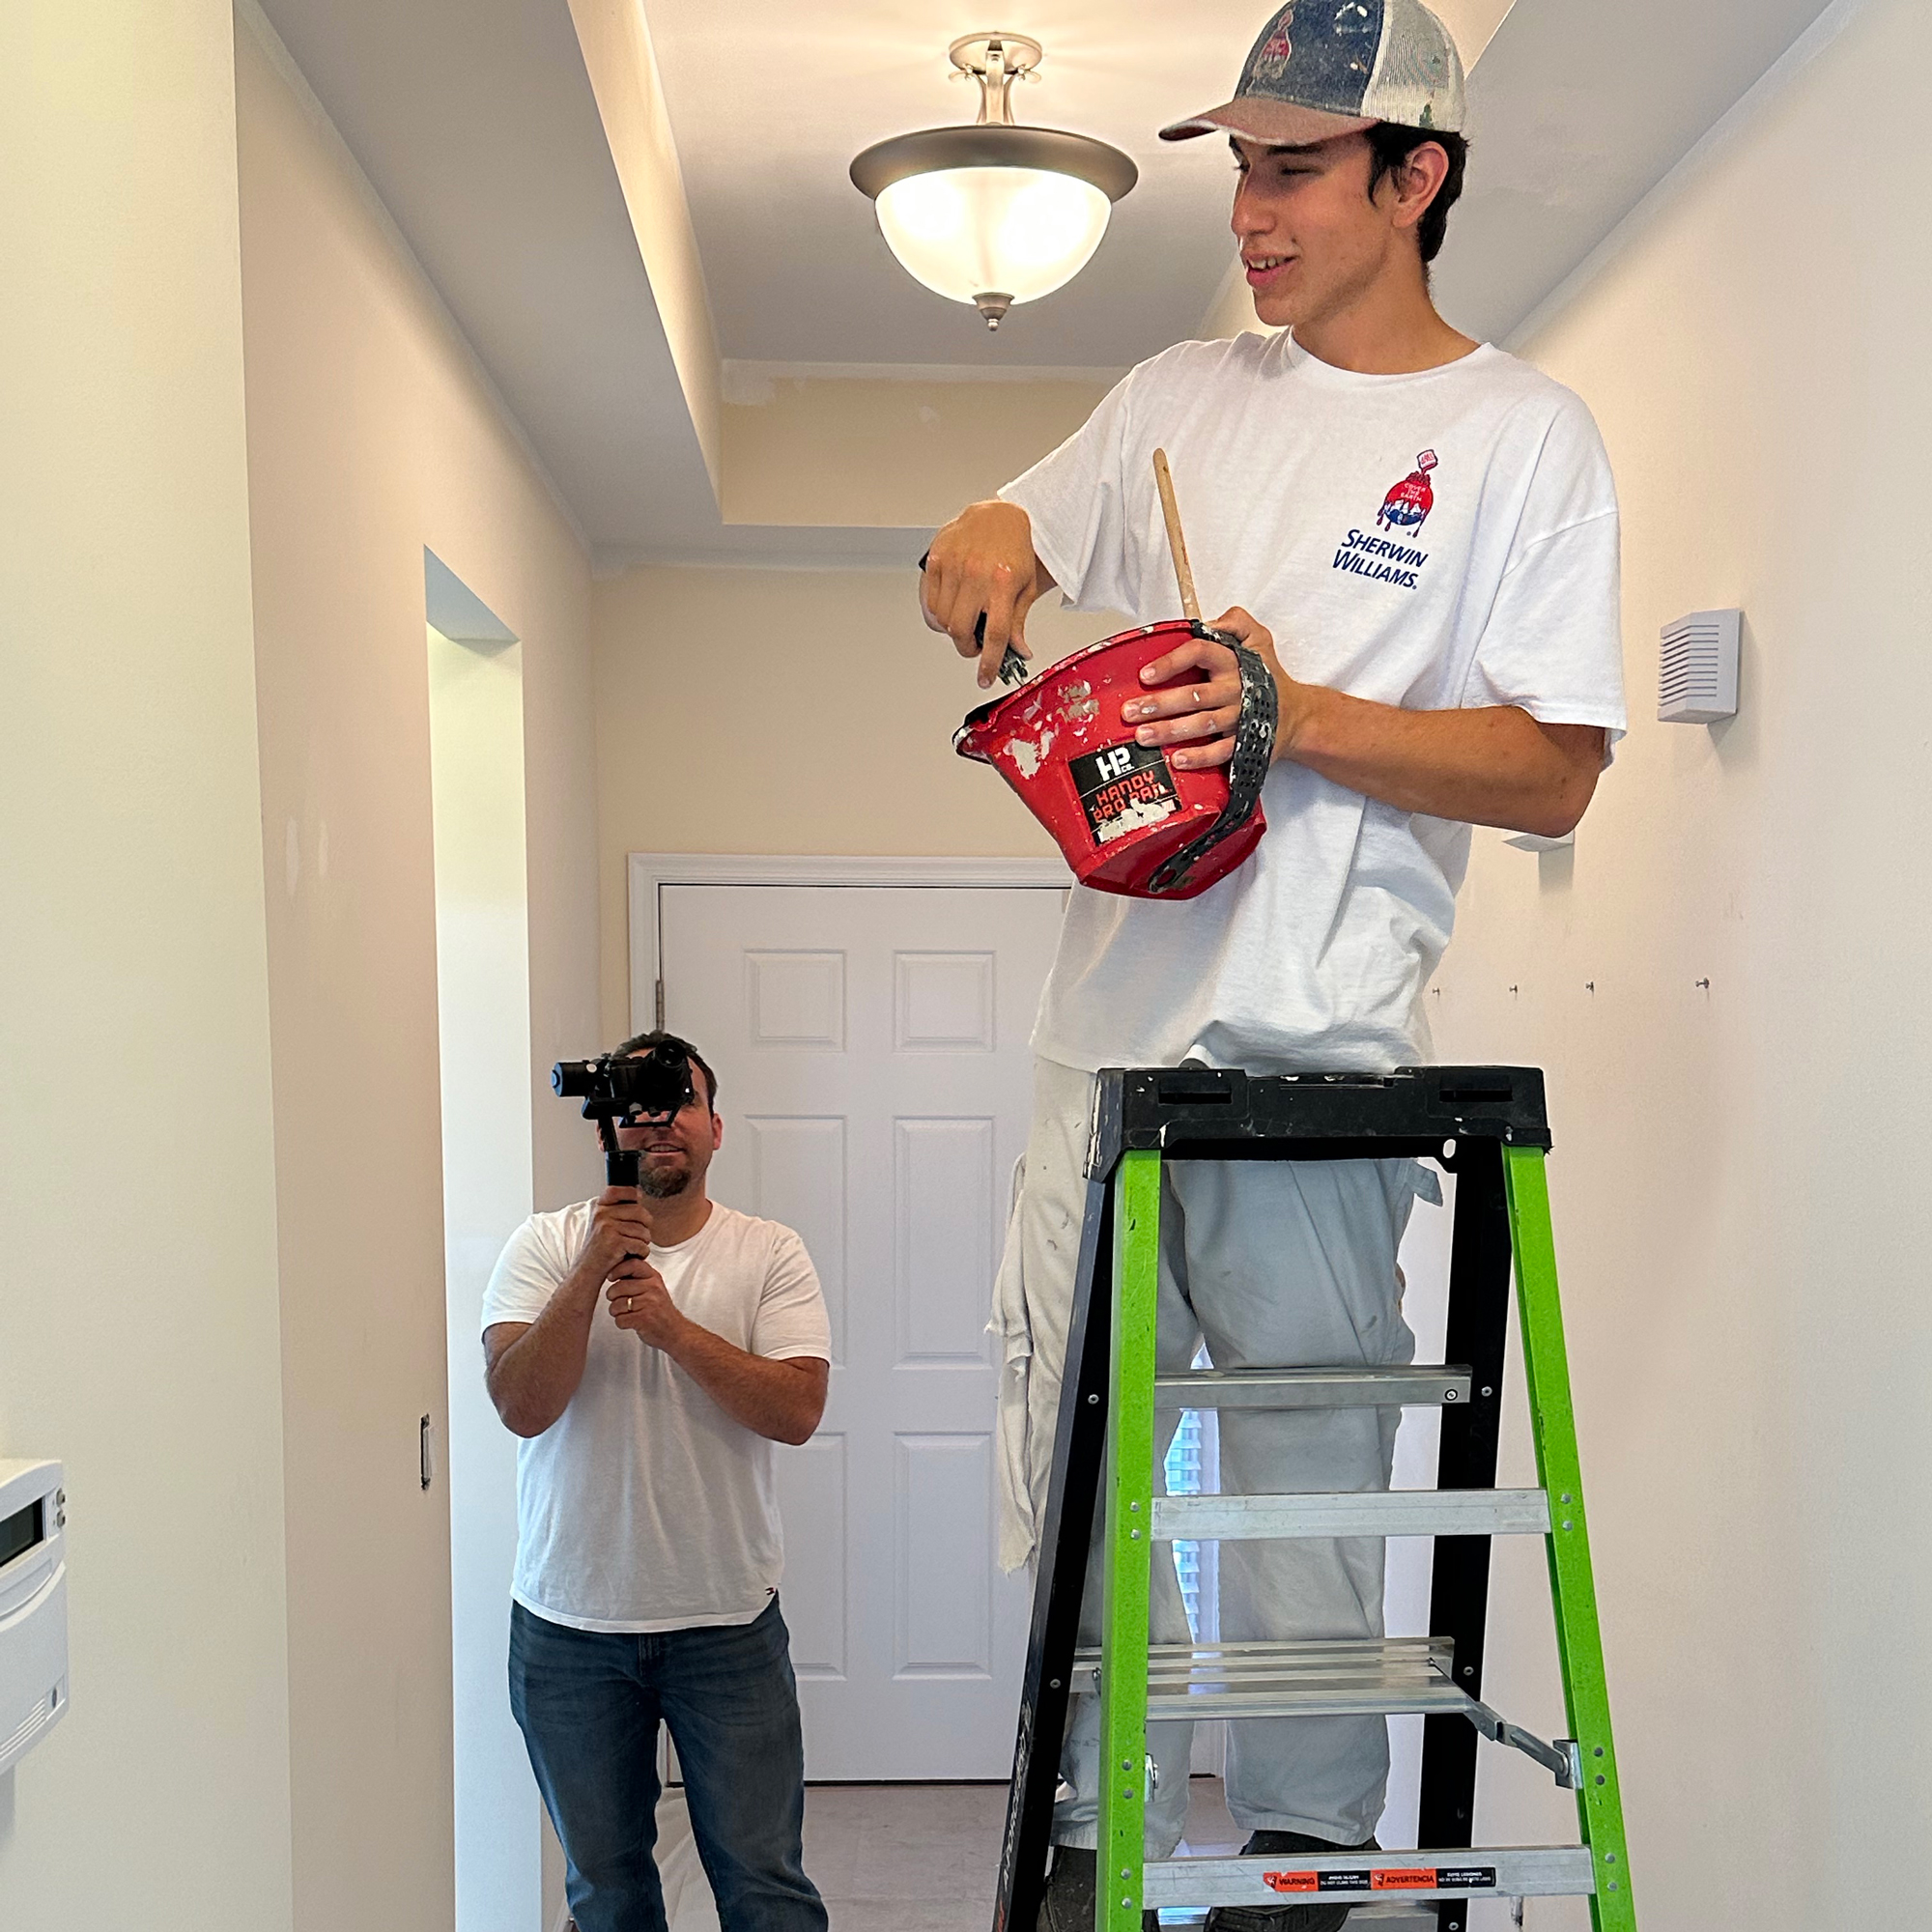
x,y
371,435
139,1318
747,710
788,711
886,454
1739,1172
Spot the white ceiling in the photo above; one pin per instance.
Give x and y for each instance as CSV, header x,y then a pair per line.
x,y
770,101
475,121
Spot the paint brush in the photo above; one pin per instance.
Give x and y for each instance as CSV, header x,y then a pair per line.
x,y
1176,544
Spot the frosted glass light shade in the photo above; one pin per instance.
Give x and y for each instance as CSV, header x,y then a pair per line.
x,y
968,232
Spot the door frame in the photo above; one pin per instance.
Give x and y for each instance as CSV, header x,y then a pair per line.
x,y
646,873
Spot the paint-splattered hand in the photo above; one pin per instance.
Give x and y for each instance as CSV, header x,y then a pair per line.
x,y
1201,716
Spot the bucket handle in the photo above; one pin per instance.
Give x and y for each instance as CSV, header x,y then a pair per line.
x,y
1247,768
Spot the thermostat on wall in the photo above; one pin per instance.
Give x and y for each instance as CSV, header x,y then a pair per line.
x,y
1697,668
32,1605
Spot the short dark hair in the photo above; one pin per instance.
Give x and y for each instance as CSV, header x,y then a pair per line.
x,y
642,1042
1390,146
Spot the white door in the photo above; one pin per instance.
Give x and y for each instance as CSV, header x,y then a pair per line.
x,y
871,1052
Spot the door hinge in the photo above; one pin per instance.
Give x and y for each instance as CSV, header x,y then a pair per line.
x,y
659,1021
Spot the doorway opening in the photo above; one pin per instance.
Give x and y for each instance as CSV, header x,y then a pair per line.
x,y
483,1019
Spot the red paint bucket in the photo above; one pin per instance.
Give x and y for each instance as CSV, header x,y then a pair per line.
x,y
1126,819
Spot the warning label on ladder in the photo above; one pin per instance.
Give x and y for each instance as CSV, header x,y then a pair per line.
x,y
1387,1878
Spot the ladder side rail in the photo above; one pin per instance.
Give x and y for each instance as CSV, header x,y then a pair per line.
x,y
1477,1332
1580,1645
1126,1555
1060,1575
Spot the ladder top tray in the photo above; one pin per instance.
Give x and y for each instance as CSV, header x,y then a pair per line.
x,y
1223,1114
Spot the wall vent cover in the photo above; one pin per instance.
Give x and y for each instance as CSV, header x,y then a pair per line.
x,y
1697,668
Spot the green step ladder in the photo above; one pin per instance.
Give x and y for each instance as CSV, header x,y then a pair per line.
x,y
1488,1127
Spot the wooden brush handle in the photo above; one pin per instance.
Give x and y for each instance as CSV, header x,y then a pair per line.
x,y
1176,544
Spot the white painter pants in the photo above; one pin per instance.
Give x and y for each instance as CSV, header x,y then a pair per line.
x,y
1273,1263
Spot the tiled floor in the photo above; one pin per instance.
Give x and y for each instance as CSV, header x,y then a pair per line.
x,y
905,1857
924,1857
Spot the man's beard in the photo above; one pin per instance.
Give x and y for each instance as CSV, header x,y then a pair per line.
x,y
661,1183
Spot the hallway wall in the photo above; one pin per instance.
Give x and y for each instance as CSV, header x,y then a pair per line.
x,y
139,1325
1738,1175
372,434
770,711
889,452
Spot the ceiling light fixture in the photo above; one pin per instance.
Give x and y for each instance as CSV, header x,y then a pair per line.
x,y
993,214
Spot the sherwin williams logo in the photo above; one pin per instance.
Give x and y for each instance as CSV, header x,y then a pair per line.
x,y
1405,507
1381,560
1410,501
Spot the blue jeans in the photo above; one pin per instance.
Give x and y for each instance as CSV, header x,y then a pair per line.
x,y
588,1703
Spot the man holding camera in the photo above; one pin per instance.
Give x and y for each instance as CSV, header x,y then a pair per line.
x,y
649,1346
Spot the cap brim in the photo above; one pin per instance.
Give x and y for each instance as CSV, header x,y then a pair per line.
x,y
1281,124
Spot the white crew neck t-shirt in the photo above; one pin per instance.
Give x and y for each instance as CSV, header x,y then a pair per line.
x,y
1439,539
646,1507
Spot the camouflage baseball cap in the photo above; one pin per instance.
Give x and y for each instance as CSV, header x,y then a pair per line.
x,y
1323,67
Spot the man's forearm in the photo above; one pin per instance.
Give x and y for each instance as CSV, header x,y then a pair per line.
x,y
776,1399
1493,766
533,1380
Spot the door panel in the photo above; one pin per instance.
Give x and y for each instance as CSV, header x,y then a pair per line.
x,y
798,1176
811,1496
943,1224
871,1051
944,1493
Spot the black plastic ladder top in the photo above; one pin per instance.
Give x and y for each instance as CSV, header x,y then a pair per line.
x,y
1207,1112
1460,1116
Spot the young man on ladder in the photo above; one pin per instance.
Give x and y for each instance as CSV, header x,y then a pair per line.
x,y
1418,533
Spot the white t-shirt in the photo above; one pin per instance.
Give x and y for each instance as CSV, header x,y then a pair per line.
x,y
1435,541
646,1507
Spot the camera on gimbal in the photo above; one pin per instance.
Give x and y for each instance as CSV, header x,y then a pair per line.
x,y
638,1088
650,1086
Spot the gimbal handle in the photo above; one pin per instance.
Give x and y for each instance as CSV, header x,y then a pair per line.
x,y
620,1163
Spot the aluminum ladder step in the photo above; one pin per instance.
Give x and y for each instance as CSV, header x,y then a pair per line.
x,y
1353,1513
1400,1387
1305,1677
1293,1678
1517,1871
